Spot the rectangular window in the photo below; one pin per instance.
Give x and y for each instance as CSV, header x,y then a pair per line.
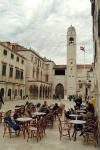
x,y
22,61
35,60
46,78
47,66
17,59
4,70
31,58
59,72
12,56
5,52
11,72
21,75
17,74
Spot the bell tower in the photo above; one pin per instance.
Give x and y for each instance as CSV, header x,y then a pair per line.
x,y
71,61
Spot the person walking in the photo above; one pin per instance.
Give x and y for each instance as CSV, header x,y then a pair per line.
x,y
1,101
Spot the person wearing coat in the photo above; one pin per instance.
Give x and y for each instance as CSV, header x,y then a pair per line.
x,y
1,101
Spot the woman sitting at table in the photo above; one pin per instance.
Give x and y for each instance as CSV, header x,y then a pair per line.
x,y
28,113
17,115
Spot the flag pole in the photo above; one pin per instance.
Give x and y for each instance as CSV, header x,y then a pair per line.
x,y
84,63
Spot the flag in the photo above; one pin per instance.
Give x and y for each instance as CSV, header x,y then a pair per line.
x,y
82,48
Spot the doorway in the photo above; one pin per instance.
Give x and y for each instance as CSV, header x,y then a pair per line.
x,y
59,90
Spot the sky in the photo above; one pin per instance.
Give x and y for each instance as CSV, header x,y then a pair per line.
x,y
43,24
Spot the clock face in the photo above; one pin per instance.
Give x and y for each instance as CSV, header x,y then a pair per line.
x,y
71,62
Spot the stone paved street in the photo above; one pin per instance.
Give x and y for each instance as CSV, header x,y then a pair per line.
x,y
51,139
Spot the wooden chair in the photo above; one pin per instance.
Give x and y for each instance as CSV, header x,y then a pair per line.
x,y
1,116
49,118
51,105
36,130
57,112
64,128
9,126
91,134
22,110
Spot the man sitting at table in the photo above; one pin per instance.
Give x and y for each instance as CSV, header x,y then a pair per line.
x,y
45,104
43,109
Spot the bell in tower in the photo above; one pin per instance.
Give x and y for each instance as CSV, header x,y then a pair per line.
x,y
71,41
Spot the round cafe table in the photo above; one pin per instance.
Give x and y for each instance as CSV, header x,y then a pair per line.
x,y
39,114
74,115
26,122
75,122
80,111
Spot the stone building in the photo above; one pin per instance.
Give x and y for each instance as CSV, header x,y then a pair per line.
x,y
12,72
95,12
43,78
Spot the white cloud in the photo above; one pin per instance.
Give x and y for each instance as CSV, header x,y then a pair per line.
x,y
43,25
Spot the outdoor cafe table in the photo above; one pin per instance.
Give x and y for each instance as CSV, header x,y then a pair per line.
x,y
39,114
25,121
80,111
75,122
74,115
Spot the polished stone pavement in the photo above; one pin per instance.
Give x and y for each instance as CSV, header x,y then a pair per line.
x,y
51,139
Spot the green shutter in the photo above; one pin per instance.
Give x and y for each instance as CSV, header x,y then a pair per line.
x,y
3,69
11,72
21,75
5,52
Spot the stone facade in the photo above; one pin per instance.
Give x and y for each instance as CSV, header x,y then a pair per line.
x,y
12,73
95,12
43,78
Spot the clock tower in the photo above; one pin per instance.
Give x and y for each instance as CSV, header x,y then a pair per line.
x,y
71,61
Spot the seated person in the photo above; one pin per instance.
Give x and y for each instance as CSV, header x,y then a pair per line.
x,y
32,107
45,104
89,112
27,101
17,115
55,107
43,109
78,102
28,113
89,126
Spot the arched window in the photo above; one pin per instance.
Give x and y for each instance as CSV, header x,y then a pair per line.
x,y
71,41
9,92
2,91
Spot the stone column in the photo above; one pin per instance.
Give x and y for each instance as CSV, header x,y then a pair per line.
x,y
38,92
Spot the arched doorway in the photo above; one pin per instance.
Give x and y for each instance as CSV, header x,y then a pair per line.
x,y
59,90
9,93
21,93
